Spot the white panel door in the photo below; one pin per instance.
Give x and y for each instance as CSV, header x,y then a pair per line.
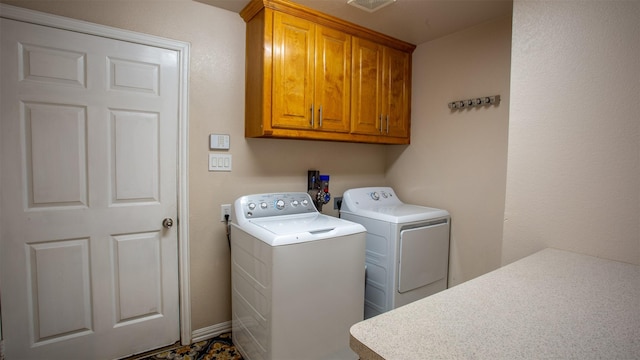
x,y
89,158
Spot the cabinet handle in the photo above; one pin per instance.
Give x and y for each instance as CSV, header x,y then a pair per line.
x,y
380,123
320,120
311,120
387,124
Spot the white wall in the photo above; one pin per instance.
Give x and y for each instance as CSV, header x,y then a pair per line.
x,y
574,130
457,159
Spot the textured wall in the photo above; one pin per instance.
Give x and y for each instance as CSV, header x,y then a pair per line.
x,y
574,130
457,159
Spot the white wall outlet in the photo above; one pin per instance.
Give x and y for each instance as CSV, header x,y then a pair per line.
x,y
225,209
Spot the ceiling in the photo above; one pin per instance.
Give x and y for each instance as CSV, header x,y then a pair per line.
x,y
414,21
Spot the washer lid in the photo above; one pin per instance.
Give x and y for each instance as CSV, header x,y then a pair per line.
x,y
381,203
291,229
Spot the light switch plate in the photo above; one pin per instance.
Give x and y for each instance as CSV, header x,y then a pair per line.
x,y
219,162
219,142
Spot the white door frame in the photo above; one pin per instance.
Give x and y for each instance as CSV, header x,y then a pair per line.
x,y
182,48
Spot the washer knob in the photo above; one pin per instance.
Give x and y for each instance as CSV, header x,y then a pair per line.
x,y
295,203
263,205
280,204
305,202
251,206
375,196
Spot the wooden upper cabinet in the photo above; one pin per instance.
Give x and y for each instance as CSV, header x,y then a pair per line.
x,y
380,99
313,76
333,79
396,89
366,96
293,72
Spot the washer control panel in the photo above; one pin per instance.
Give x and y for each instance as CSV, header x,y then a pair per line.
x,y
382,194
273,204
369,198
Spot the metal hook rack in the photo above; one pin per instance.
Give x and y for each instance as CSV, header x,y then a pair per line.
x,y
469,103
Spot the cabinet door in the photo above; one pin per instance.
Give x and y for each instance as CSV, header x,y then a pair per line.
x,y
293,70
366,83
332,80
395,97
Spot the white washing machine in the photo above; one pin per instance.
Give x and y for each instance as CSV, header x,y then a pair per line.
x,y
407,247
297,279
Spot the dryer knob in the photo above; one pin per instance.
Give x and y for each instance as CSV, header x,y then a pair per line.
x,y
375,196
280,204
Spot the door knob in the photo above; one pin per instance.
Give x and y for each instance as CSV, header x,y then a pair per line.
x,y
167,223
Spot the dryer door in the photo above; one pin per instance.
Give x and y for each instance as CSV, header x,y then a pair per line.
x,y
424,255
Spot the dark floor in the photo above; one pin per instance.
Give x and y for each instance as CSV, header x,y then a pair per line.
x,y
218,348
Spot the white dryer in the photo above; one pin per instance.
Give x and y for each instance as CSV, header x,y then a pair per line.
x,y
297,279
407,247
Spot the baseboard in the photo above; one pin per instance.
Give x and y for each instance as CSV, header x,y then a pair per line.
x,y
210,331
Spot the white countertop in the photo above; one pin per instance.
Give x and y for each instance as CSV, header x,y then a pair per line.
x,y
551,305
